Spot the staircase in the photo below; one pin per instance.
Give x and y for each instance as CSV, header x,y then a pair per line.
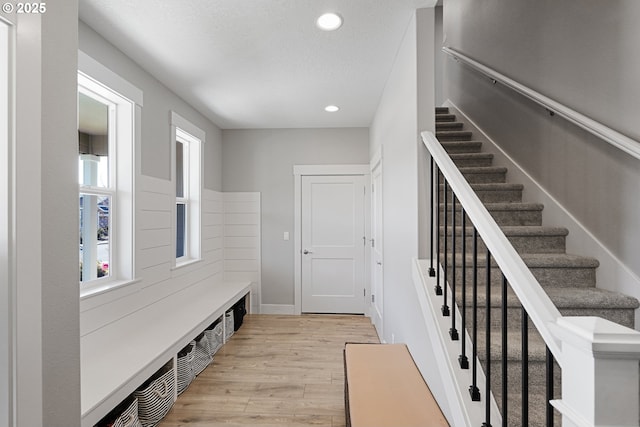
x,y
569,280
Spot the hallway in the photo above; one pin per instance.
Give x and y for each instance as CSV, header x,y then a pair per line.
x,y
275,371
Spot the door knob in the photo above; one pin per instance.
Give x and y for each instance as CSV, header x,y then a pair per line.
x,y
307,252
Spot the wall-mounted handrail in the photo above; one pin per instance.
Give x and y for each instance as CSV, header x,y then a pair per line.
x,y
533,298
601,131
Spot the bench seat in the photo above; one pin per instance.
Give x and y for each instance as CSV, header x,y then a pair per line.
x,y
384,388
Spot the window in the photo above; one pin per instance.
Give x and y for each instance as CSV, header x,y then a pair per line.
x,y
105,177
97,183
187,146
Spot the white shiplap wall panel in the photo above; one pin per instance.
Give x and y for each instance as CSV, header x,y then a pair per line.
x,y
211,218
241,265
155,274
239,276
247,206
211,231
242,230
242,241
150,257
243,253
154,220
238,218
109,319
212,202
211,245
152,200
153,238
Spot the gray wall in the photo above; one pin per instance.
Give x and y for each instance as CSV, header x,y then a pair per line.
x,y
585,55
581,53
158,102
438,55
263,160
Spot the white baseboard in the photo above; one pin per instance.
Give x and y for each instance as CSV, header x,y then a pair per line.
x,y
277,309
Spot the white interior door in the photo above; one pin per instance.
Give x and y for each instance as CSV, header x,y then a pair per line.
x,y
333,244
377,266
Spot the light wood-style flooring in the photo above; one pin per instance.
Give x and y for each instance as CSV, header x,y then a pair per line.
x,y
275,371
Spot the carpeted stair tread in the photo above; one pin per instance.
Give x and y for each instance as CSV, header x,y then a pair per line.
x,y
517,230
445,117
483,169
455,135
462,146
444,126
541,261
514,206
502,206
472,159
563,298
537,347
442,110
484,174
591,297
492,186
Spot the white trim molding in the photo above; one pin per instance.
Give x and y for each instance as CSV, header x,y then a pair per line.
x,y
89,66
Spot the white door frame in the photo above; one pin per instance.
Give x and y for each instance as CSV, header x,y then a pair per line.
x,y
376,162
7,240
298,172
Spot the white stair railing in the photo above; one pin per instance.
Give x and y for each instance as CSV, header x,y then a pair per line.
x,y
599,359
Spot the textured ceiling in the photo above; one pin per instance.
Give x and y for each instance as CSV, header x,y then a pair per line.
x,y
262,63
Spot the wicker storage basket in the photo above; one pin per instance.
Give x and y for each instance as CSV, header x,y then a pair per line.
x,y
214,334
185,366
228,325
155,396
123,415
201,354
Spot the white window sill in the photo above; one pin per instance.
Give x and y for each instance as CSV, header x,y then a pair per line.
x,y
185,264
101,289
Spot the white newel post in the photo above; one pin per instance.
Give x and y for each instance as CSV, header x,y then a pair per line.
x,y
600,373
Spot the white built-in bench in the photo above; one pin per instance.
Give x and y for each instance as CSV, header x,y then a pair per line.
x,y
384,388
115,362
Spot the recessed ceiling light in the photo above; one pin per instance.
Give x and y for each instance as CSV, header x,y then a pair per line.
x,y
331,108
329,21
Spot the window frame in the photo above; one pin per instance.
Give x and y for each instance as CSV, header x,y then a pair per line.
x,y
124,153
193,139
111,189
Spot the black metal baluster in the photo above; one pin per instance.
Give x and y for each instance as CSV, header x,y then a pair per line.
x,y
525,368
463,359
432,271
487,385
504,352
438,288
453,332
445,307
550,392
474,390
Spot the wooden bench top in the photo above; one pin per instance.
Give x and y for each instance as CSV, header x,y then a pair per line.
x,y
385,388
